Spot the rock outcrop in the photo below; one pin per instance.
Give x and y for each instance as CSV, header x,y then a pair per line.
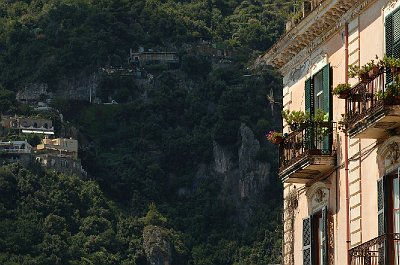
x,y
75,88
243,178
156,245
254,175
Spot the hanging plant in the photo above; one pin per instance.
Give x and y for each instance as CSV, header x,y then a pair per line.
x,y
342,90
275,137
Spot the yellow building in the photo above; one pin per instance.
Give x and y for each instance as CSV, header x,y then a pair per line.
x,y
340,171
60,145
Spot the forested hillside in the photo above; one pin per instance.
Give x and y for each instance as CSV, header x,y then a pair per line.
x,y
179,170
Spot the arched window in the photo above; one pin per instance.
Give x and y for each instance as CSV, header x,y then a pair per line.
x,y
316,227
388,190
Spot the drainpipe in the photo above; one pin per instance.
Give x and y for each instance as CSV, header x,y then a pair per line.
x,y
346,144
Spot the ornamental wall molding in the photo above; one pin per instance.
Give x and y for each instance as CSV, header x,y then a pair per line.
x,y
317,197
311,48
389,152
390,5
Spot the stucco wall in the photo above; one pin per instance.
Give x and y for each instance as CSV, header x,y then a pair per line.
x,y
364,171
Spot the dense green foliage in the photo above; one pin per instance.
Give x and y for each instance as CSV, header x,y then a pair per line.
x,y
154,148
58,219
150,148
45,40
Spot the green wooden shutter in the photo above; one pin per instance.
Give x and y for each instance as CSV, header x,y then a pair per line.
x,y
389,41
384,191
381,206
325,235
309,104
307,241
327,103
389,35
326,85
396,33
309,101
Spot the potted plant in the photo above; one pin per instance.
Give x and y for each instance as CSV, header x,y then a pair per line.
x,y
353,70
295,119
274,137
381,95
342,90
363,71
363,74
391,63
386,62
390,95
394,66
320,116
320,120
373,69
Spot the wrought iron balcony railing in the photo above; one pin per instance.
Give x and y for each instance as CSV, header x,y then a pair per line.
x,y
310,140
369,103
382,250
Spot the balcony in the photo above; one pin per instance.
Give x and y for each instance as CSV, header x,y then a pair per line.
x,y
382,250
368,116
307,153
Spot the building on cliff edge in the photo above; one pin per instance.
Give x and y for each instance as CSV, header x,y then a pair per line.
x,y
341,173
61,155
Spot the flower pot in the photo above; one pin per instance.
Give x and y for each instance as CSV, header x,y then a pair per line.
x,y
364,77
344,94
395,70
278,140
297,126
373,72
392,100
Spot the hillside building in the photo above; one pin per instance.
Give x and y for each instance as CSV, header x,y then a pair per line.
x,y
16,152
28,124
64,146
143,58
61,155
341,175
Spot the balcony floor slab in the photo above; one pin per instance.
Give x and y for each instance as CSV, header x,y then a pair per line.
x,y
307,168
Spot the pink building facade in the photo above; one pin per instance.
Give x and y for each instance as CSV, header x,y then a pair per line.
x,y
341,172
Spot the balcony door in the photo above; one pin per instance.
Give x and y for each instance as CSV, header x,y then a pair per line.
x,y
389,215
318,97
315,238
396,214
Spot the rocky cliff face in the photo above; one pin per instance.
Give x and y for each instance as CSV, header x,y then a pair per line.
x,y
156,245
243,179
75,88
254,175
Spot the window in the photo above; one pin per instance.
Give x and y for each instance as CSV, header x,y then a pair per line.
x,y
392,36
396,214
318,96
315,243
389,203
317,92
389,214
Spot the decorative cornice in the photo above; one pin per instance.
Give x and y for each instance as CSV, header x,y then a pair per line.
x,y
297,45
